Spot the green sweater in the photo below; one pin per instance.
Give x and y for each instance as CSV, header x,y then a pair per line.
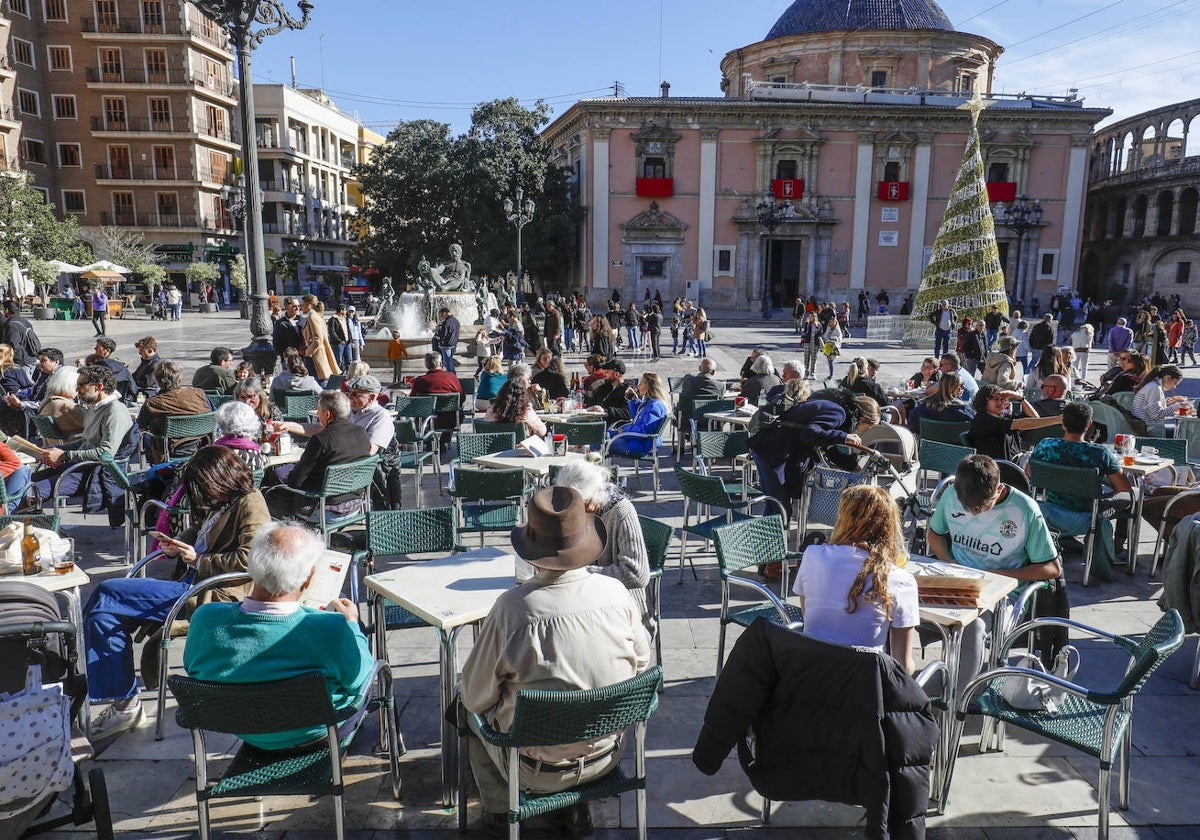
x,y
105,429
225,644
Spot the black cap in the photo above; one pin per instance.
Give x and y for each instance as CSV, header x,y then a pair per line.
x,y
614,364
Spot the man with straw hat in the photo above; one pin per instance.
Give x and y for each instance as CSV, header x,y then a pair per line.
x,y
564,629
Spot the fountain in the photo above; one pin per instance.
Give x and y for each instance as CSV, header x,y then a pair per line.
x,y
415,314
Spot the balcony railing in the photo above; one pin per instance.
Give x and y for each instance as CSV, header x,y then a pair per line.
x,y
202,33
137,173
174,126
133,76
131,27
118,219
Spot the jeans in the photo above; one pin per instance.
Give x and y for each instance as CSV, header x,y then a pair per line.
x,y
344,353
16,484
632,334
448,359
654,336
117,608
569,339
689,344
830,360
674,341
701,348
941,342
991,336
1034,356
98,321
770,480
176,311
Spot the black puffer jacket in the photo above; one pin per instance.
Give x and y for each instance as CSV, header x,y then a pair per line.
x,y
814,720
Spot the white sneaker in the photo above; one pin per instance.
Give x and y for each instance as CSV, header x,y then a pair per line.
x,y
113,721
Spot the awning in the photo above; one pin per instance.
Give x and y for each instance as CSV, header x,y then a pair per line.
x,y
106,276
106,265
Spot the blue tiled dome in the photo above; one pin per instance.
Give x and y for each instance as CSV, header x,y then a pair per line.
x,y
805,16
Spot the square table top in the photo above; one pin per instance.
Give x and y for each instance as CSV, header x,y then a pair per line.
x,y
995,587
539,465
449,591
52,582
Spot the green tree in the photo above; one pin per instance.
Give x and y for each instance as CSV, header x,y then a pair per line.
x,y
152,274
42,274
199,273
425,190
29,228
286,265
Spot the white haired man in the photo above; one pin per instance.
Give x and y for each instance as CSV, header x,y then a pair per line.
x,y
271,636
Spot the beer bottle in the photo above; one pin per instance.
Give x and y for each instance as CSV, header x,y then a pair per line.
x,y
30,549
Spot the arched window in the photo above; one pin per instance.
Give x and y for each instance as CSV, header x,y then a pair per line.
x,y
1166,206
1187,211
1139,216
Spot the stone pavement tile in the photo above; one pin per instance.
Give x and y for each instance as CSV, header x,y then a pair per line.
x,y
1177,832
676,723
1000,790
1029,833
139,744
690,670
1161,790
680,796
951,832
136,804
1123,832
1164,725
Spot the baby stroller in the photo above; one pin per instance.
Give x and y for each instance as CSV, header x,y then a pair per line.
x,y
38,648
158,312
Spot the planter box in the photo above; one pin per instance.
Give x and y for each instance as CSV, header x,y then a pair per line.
x,y
45,313
208,307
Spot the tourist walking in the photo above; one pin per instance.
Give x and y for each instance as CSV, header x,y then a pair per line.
x,y
100,311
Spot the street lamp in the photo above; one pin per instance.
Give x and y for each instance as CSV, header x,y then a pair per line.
x,y
238,17
519,214
1021,216
771,214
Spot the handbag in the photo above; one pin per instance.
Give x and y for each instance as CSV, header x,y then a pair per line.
x,y
35,756
1031,694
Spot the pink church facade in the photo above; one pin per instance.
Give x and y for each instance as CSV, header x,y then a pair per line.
x,y
858,127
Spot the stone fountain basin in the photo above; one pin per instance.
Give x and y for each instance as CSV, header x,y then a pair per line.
x,y
375,351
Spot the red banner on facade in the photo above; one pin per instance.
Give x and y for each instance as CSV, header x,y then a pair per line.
x,y
1001,191
655,187
788,188
893,190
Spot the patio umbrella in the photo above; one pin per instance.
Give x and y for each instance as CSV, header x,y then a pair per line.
x,y
18,280
105,265
65,267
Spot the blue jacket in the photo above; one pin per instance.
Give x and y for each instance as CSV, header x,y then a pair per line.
x,y
647,416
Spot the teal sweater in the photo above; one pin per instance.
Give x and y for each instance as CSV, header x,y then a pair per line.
x,y
225,644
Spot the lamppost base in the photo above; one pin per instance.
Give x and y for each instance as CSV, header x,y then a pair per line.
x,y
260,353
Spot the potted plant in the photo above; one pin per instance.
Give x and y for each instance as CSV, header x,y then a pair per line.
x,y
200,273
153,276
239,279
43,275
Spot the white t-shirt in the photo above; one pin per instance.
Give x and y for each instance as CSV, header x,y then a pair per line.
x,y
825,576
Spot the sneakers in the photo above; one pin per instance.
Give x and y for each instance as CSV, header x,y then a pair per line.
x,y
113,720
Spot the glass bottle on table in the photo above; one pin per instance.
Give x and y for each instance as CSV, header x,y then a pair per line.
x,y
31,548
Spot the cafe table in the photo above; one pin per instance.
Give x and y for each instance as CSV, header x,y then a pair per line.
x,y
1136,472
953,620
535,467
448,594
738,417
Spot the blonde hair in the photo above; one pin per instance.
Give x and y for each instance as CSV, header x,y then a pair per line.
x,y
493,365
357,369
314,302
6,357
655,388
868,410
869,519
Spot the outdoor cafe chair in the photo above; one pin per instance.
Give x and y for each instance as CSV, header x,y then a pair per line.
x,y
589,435
657,538
419,409
48,430
709,447
193,430
740,546
295,405
943,431
484,427
417,447
488,500
1080,482
547,718
651,436
216,399
338,479
278,706
1097,721
472,445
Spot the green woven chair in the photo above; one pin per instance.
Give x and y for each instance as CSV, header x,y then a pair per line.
x,y
488,500
263,708
943,431
48,430
1031,437
709,491
335,381
581,435
421,409
1098,722
1072,481
188,430
710,447
545,718
933,456
657,537
751,543
491,427
1188,429
295,405
472,445
48,521
694,410
216,399
654,436
339,479
450,404
417,447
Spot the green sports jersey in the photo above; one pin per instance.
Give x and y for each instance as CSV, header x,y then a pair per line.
x,y
1010,535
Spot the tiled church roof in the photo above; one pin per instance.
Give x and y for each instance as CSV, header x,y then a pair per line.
x,y
805,16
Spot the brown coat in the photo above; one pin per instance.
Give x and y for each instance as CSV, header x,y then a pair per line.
x,y
229,545
316,345
65,413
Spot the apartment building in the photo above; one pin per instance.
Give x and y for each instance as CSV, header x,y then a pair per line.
x,y
125,110
307,149
10,129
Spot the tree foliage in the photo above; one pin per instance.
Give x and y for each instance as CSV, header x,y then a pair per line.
x,y
126,248
286,266
202,272
426,189
29,228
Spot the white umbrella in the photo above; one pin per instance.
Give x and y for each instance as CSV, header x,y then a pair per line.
x,y
65,267
105,265
18,280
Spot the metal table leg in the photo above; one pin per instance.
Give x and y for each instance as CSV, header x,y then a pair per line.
x,y
448,640
947,745
1135,527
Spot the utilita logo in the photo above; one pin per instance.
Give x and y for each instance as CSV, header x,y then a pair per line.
x,y
975,544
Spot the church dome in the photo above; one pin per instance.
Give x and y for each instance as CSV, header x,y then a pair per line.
x,y
807,16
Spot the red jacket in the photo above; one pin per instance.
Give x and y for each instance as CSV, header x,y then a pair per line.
x,y
436,382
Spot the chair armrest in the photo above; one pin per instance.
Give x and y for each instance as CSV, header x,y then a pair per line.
x,y
927,673
196,589
136,568
485,730
1054,621
308,494
380,669
1170,504
1027,594
976,686
767,594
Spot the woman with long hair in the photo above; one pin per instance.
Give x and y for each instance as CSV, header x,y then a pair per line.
x,y
700,328
1051,362
810,337
992,432
648,405
1150,402
250,392
603,338
318,352
858,381
295,375
512,405
491,380
226,511
13,378
1131,367
852,590
945,404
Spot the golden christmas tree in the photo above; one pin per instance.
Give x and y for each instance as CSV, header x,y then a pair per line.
x,y
965,265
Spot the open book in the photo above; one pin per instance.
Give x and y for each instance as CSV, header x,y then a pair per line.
x,y
534,446
20,444
326,583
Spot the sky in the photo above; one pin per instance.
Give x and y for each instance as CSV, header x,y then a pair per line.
x,y
384,61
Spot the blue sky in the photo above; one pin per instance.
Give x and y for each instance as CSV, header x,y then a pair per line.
x,y
391,60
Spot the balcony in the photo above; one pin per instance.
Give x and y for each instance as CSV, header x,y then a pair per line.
x,y
118,219
137,173
109,26
142,124
132,76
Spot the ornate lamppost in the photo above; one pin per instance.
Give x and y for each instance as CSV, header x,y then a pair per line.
x,y
771,214
238,18
519,214
1021,216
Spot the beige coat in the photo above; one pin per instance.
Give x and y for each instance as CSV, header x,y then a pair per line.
x,y
316,345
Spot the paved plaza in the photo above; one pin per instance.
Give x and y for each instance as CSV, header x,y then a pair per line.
x,y
1030,790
